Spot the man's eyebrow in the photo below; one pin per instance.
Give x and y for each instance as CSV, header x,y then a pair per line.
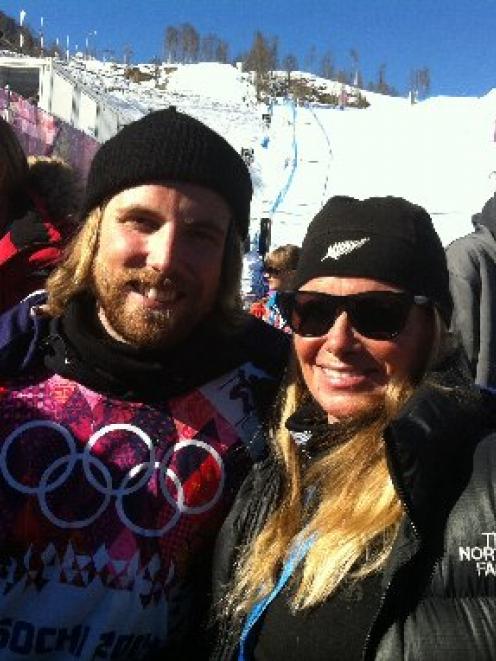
x,y
212,221
137,208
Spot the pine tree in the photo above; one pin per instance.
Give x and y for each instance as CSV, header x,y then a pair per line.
x,y
262,59
289,64
171,43
327,66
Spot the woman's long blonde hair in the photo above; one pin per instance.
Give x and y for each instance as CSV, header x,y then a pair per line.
x,y
74,273
345,501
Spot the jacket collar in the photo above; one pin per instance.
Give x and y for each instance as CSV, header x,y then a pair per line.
x,y
80,349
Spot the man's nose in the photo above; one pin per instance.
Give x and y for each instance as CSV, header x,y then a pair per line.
x,y
162,248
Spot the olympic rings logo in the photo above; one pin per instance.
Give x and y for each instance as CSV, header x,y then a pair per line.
x,y
135,479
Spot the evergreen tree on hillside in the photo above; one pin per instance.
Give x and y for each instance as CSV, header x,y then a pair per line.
x,y
382,86
310,58
289,64
222,52
261,59
189,43
420,83
186,45
327,66
213,49
171,43
355,66
127,53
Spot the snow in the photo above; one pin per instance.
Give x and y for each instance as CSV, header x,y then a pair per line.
x,y
211,80
439,153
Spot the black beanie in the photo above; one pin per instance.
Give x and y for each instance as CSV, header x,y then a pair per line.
x,y
168,145
383,238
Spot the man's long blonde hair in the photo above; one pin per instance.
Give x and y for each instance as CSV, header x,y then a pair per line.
x,y
74,273
344,500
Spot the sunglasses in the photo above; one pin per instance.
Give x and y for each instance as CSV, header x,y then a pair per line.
x,y
379,315
271,271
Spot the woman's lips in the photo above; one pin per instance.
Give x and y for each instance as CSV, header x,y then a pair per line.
x,y
344,377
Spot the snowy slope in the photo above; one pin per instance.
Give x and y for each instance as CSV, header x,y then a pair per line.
x,y
439,153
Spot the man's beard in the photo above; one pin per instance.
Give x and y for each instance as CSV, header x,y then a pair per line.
x,y
138,325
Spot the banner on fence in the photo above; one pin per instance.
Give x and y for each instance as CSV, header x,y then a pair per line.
x,y
44,135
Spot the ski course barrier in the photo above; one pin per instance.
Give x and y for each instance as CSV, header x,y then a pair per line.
x,y
294,148
326,137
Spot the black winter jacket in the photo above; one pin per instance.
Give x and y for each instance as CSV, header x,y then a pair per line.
x,y
439,584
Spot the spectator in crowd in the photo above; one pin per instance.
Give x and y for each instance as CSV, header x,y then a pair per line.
x,y
279,267
472,269
353,538
130,399
253,284
38,203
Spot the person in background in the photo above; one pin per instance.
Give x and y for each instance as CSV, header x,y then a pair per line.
x,y
39,198
353,538
279,268
472,269
130,398
253,285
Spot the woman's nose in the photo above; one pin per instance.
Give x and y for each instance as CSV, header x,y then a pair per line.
x,y
341,337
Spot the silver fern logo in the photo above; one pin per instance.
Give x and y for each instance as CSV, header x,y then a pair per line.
x,y
337,250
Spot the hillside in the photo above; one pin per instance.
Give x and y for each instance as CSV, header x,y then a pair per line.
x,y
440,153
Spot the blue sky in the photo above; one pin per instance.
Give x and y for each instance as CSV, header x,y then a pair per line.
x,y
455,39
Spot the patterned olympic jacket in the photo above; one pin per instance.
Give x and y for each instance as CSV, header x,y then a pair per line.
x,y
115,476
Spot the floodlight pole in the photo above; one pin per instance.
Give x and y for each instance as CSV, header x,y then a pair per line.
x,y
22,16
41,36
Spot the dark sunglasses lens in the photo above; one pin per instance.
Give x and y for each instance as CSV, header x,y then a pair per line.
x,y
380,315
377,315
311,314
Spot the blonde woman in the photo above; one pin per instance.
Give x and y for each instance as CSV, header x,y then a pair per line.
x,y
368,530
279,270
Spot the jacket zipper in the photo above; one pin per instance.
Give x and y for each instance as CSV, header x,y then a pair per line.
x,y
404,503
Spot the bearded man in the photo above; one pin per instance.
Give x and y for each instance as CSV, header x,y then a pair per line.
x,y
130,397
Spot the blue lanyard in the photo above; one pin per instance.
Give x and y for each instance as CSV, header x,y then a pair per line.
x,y
295,557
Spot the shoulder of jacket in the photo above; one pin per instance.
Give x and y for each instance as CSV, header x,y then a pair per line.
x,y
21,331
267,347
471,246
